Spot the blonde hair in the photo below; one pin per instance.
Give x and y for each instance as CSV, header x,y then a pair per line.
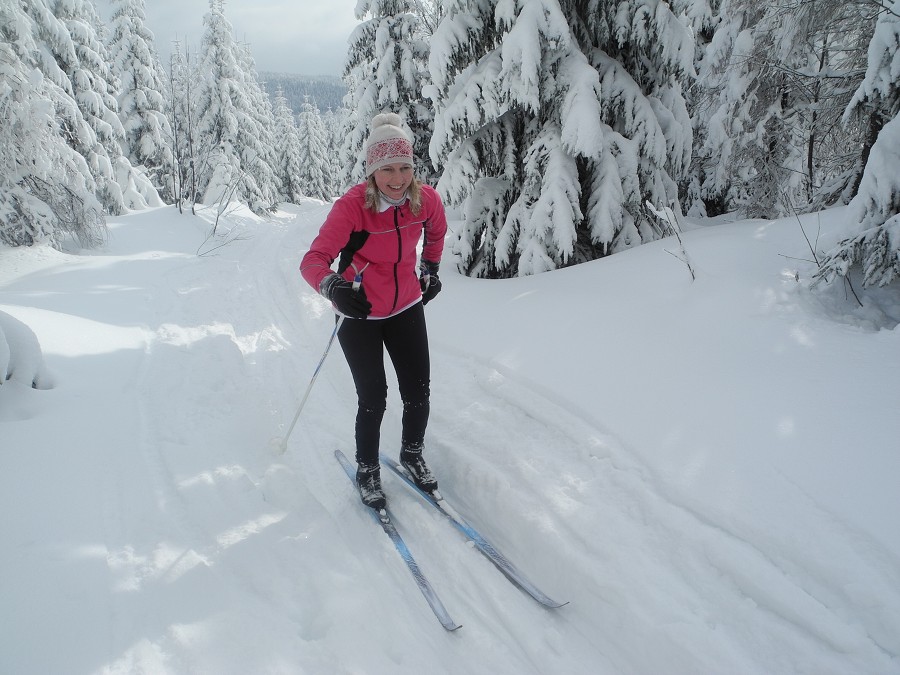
x,y
415,195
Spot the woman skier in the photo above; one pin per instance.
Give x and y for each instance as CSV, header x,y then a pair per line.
x,y
373,231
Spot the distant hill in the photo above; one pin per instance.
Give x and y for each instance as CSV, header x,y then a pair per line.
x,y
324,91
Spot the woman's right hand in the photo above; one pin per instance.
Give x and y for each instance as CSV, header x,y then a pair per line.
x,y
348,301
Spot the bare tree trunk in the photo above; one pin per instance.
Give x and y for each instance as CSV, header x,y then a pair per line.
x,y
876,123
176,164
813,139
189,97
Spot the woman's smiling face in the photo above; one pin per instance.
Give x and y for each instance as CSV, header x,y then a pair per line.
x,y
393,179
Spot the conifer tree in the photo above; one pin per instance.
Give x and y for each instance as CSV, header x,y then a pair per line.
x,y
142,95
257,148
702,17
873,240
220,100
313,151
100,140
46,187
288,145
233,144
385,71
334,128
555,122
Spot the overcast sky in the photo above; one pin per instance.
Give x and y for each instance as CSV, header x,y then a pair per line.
x,y
306,37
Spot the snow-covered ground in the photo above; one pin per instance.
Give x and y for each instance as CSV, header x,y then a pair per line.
x,y
707,471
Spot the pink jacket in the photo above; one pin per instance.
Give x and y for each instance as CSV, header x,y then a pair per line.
x,y
387,257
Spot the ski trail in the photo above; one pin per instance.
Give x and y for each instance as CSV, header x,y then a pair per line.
x,y
212,534
381,584
269,540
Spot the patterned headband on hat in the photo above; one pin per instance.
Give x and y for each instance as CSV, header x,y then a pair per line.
x,y
388,143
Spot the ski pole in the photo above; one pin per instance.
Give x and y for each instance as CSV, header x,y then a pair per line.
x,y
357,281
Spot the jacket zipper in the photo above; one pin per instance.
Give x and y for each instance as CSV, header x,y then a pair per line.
x,y
399,257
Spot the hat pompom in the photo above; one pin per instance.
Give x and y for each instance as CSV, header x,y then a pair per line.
x,y
382,119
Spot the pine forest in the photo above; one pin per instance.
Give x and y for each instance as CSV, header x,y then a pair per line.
x,y
560,131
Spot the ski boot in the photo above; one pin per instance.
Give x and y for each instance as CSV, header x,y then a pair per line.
x,y
368,480
411,459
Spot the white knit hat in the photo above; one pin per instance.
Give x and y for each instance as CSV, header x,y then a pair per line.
x,y
388,143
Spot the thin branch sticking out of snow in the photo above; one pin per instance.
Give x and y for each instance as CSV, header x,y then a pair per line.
x,y
670,218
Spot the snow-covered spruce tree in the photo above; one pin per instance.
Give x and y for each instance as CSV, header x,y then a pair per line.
x,y
702,17
119,186
385,71
258,152
220,101
84,61
863,116
556,121
142,95
46,187
313,152
288,150
873,240
334,129
779,76
228,158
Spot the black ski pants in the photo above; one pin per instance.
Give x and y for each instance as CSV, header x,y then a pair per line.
x,y
405,339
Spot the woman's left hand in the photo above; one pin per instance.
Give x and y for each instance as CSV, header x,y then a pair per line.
x,y
429,280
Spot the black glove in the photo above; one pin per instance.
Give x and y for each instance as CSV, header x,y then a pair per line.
x,y
428,280
351,303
